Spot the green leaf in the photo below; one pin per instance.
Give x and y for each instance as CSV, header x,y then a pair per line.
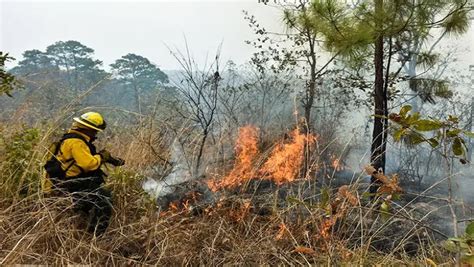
x,y
397,135
294,200
427,60
470,230
453,133
469,134
427,125
367,195
404,110
450,245
414,118
396,197
457,147
324,197
456,239
433,142
384,210
453,119
414,138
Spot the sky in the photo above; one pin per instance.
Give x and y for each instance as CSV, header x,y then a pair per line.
x,y
148,28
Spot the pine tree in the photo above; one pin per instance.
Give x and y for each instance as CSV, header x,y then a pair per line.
x,y
374,33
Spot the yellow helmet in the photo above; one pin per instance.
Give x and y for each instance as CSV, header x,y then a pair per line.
x,y
92,120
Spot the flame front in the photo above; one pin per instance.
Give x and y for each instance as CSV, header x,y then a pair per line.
x,y
285,160
246,149
282,166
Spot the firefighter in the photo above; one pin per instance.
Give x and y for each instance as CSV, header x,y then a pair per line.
x,y
74,169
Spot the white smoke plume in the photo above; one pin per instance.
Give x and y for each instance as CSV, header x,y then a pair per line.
x,y
179,174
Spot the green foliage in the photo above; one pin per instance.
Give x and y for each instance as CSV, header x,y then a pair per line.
x,y
325,197
457,23
76,60
70,59
427,89
20,161
463,245
427,60
342,29
34,61
139,72
385,210
72,55
470,230
426,125
350,30
352,27
7,81
413,130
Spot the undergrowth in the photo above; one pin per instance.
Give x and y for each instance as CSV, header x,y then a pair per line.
x,y
332,227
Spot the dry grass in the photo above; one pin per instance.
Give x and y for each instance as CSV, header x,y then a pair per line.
x,y
35,229
41,230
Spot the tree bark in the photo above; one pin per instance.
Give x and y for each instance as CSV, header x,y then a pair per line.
x,y
469,128
138,105
311,88
308,103
377,157
199,155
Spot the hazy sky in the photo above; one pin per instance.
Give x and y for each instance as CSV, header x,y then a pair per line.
x,y
115,28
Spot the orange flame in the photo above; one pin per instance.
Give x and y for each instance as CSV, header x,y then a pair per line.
x,y
282,166
182,206
336,163
246,149
286,159
281,231
326,226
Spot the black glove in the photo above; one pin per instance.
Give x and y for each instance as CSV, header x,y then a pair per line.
x,y
105,155
116,161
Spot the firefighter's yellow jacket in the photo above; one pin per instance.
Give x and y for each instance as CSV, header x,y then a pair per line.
x,y
76,149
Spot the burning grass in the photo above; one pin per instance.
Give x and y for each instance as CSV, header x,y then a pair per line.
x,y
246,149
282,165
286,159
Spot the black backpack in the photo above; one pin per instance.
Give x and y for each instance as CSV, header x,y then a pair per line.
x,y
53,166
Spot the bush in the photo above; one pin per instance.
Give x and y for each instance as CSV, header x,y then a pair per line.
x,y
20,167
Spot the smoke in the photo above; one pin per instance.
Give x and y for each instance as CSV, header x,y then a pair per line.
x,y
179,174
465,184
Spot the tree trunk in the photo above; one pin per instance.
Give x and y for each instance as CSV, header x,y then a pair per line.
x,y
311,89
469,128
136,90
308,105
200,152
377,157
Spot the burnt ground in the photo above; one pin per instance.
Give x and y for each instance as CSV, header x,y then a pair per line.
x,y
419,215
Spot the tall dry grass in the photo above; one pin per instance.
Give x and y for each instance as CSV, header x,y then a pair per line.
x,y
249,228
239,229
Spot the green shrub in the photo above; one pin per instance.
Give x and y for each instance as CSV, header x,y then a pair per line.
x,y
18,169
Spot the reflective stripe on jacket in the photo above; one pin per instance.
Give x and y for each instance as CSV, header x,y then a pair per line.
x,y
76,149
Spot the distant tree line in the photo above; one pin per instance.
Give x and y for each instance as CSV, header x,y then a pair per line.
x,y
67,70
